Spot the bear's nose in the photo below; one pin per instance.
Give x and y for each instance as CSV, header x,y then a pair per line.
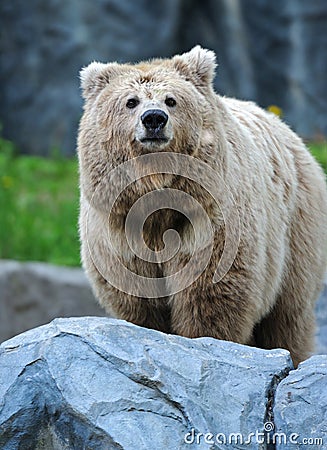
x,y
154,119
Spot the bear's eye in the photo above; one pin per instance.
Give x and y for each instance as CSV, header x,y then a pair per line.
x,y
170,101
132,103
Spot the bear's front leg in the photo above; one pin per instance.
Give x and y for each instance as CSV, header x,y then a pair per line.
x,y
145,312
225,310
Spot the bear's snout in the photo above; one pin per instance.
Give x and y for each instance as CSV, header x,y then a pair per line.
x,y
154,120
154,129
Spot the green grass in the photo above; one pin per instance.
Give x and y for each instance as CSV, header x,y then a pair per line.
x,y
39,206
319,151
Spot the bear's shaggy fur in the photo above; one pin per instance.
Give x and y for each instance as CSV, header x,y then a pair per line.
x,y
267,296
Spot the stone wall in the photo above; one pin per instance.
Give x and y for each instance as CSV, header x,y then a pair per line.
x,y
270,52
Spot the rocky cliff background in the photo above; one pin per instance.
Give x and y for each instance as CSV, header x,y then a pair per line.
x,y
269,52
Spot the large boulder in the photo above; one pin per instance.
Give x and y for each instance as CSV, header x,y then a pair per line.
x,y
321,315
103,384
32,294
270,52
301,407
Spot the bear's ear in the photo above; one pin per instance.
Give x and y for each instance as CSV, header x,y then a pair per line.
x,y
197,65
96,76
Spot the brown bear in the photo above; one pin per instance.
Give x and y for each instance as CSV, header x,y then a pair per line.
x,y
257,190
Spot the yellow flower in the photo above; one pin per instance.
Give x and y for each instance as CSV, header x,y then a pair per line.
x,y
276,110
6,181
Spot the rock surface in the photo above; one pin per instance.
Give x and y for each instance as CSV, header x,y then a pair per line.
x,y
99,383
301,406
321,315
270,52
32,294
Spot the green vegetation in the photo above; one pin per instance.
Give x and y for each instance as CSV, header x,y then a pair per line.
x,y
319,151
39,206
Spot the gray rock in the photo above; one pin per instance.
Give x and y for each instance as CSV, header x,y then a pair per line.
x,y
32,294
100,383
287,41
321,315
39,87
301,407
270,52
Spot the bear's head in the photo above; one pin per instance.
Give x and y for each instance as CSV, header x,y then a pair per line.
x,y
164,104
